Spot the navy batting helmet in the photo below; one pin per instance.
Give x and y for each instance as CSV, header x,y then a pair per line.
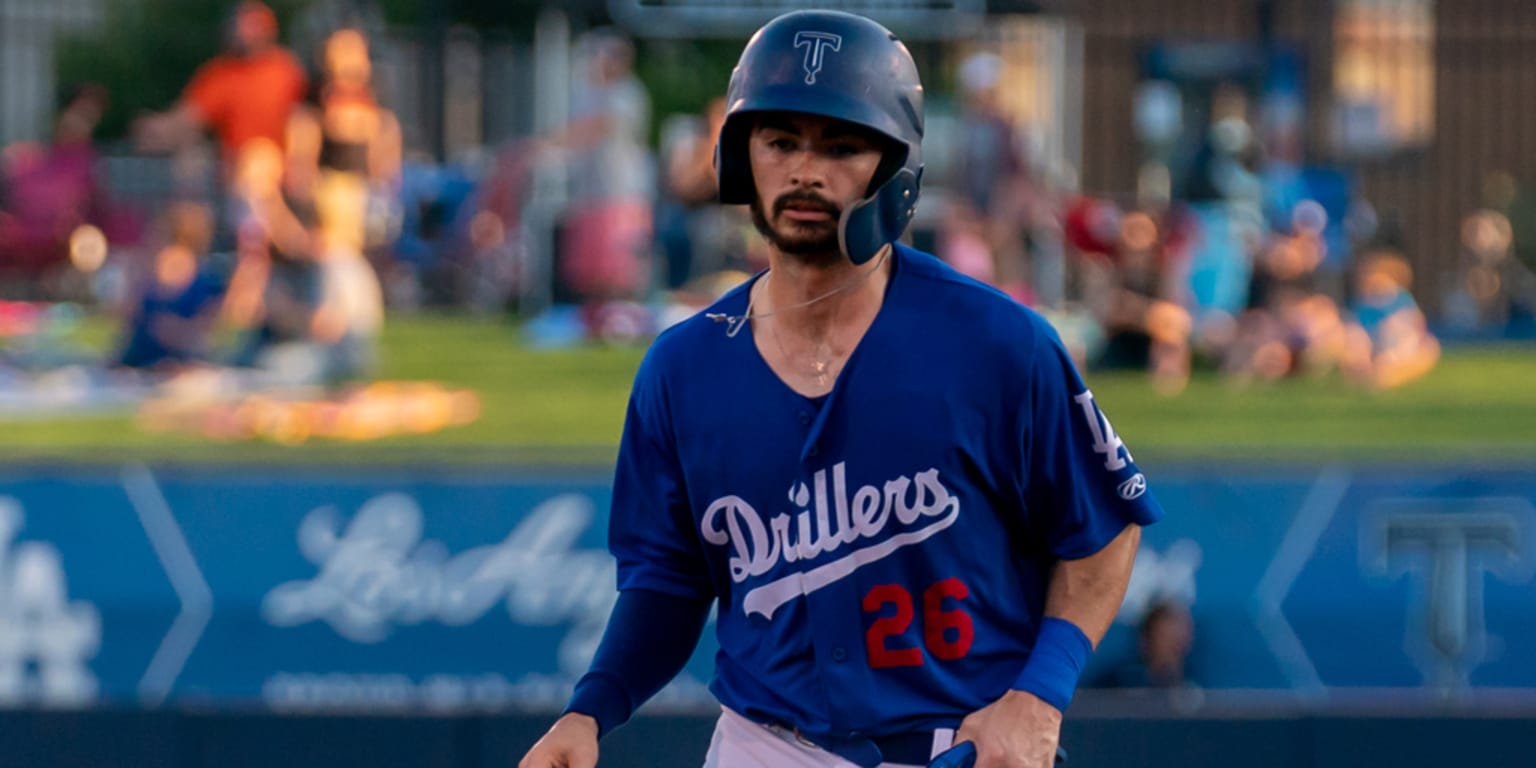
x,y
841,66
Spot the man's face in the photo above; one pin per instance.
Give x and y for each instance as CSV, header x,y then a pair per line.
x,y
254,29
807,169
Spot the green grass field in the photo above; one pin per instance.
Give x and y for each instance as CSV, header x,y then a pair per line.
x,y
566,407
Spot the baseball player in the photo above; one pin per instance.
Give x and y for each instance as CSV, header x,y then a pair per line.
x,y
914,518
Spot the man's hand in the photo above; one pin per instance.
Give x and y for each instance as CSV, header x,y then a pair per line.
x,y
570,743
1016,731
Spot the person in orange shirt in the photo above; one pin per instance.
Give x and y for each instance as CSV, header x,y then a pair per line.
x,y
243,94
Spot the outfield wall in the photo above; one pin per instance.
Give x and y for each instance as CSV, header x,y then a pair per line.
x,y
481,591
465,595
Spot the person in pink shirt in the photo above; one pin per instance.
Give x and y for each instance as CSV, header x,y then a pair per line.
x,y
47,192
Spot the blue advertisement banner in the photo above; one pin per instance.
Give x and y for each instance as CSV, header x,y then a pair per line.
x,y
488,591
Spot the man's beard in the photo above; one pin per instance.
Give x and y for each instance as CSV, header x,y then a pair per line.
x,y
813,243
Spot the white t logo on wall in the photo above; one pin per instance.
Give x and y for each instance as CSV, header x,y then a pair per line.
x,y
1450,544
815,43
45,639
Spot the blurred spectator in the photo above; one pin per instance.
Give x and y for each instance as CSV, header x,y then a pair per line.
x,y
344,148
276,287
997,198
349,317
1090,231
699,238
687,186
1165,637
990,152
1492,290
439,203
691,177
1223,194
1389,343
49,192
172,307
1129,273
1289,326
311,309
244,94
492,264
1504,228
312,24
344,153
964,243
608,235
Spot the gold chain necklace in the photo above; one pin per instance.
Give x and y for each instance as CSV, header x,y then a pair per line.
x,y
821,353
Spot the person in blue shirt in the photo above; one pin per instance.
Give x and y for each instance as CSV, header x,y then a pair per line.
x,y
174,305
912,515
1389,342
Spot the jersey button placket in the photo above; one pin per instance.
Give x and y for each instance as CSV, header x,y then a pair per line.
x,y
836,644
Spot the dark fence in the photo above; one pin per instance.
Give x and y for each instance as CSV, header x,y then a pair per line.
x,y
1288,738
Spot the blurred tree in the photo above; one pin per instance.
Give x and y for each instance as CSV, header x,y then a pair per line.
x,y
516,16
682,75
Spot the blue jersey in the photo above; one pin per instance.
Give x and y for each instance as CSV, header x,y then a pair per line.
x,y
881,554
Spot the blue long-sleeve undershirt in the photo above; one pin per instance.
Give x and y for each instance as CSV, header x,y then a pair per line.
x,y
649,638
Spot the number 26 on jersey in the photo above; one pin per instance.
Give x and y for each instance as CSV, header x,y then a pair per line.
x,y
946,629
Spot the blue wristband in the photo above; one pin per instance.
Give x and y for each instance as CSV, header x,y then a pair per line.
x,y
1061,651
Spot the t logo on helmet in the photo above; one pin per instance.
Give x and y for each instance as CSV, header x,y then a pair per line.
x,y
814,43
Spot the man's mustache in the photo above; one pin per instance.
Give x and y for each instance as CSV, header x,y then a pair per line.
x,y
807,201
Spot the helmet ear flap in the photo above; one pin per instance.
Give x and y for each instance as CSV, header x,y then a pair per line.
x,y
867,226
